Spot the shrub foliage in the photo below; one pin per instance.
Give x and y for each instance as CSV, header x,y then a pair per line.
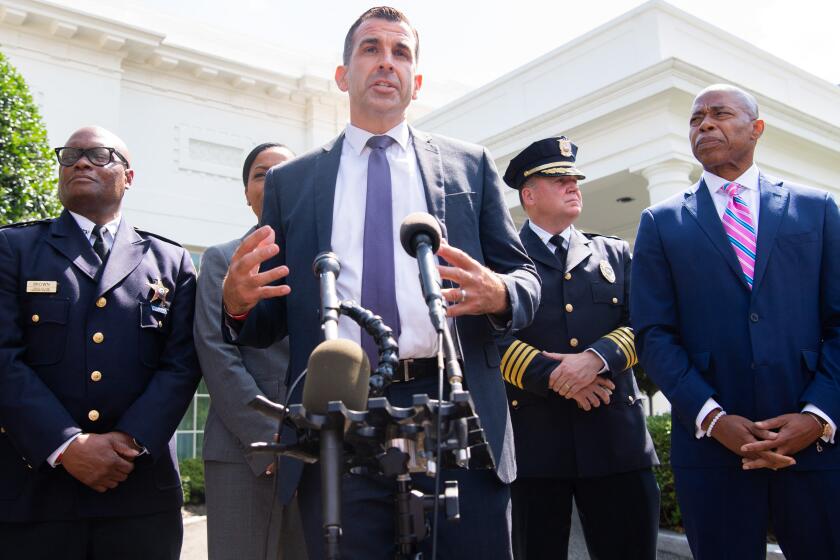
x,y
27,172
669,511
192,480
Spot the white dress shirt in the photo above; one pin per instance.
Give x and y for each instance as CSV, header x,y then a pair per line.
x,y
417,338
752,196
566,235
108,238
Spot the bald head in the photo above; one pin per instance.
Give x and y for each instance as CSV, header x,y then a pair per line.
x,y
95,190
102,137
743,98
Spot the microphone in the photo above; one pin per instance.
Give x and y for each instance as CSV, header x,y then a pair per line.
x,y
326,267
420,237
338,370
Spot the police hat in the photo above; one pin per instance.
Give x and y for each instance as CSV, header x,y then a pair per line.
x,y
550,157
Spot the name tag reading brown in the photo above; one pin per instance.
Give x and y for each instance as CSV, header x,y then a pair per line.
x,y
41,287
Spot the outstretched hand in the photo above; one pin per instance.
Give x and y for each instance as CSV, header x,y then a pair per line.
x,y
244,285
480,291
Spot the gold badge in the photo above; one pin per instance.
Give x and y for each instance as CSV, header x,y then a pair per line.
x,y
41,287
159,292
565,146
608,272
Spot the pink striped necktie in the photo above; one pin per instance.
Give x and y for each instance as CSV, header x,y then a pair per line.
x,y
738,225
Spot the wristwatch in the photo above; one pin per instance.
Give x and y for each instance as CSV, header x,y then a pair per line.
x,y
826,427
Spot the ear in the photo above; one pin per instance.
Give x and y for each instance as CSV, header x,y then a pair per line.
x,y
341,77
758,129
129,178
418,83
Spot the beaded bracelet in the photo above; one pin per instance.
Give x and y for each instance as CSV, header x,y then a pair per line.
x,y
714,421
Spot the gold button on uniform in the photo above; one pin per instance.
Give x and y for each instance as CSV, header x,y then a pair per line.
x,y
35,318
568,276
98,337
573,343
96,375
615,300
101,302
569,308
514,403
93,415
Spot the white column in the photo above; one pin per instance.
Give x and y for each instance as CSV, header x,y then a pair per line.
x,y
667,178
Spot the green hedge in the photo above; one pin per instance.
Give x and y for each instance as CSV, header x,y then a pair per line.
x,y
27,165
192,480
669,511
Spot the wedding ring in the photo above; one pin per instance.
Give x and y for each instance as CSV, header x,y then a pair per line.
x,y
463,296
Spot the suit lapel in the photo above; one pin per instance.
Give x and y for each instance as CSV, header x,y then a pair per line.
x,y
431,171
578,251
67,238
125,255
536,249
326,174
774,200
701,206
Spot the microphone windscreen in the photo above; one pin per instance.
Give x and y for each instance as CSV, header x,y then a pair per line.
x,y
338,370
415,223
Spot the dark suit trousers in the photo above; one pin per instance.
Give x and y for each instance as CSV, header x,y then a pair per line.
x,y
726,512
367,508
156,536
619,514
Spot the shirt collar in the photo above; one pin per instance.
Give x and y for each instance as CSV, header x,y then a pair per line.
x,y
357,138
545,237
87,226
748,180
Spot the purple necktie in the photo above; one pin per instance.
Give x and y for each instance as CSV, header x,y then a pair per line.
x,y
378,288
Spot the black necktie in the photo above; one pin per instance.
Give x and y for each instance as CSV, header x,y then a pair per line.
x,y
99,246
560,250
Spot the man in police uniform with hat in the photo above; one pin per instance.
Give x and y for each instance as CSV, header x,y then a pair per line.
x,y
97,367
578,417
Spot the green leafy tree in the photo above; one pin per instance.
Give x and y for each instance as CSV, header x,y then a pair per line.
x,y
27,173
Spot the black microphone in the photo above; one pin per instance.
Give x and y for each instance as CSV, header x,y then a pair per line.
x,y
326,267
338,370
420,237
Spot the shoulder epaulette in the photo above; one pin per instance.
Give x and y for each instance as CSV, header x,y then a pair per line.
x,y
29,223
155,235
591,235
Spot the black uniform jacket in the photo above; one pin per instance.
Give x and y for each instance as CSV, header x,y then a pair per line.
x,y
93,348
584,305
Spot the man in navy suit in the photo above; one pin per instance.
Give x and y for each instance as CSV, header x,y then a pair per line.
x,y
97,367
736,308
351,196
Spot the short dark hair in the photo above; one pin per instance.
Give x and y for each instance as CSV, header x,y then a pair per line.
x,y
379,12
249,160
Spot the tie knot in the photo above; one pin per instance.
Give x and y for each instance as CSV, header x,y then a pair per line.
x,y
556,240
380,142
732,189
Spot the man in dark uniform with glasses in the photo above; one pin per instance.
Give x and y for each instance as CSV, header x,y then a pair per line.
x,y
97,367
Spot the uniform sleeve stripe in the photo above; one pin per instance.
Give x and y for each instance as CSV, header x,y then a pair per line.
x,y
628,334
524,361
509,358
623,347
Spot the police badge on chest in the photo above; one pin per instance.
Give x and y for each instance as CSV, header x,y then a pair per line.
x,y
155,308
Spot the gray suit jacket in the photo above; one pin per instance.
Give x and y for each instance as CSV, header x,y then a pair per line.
x,y
234,374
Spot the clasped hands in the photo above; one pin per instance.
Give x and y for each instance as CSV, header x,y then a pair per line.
x,y
480,290
576,377
769,443
100,461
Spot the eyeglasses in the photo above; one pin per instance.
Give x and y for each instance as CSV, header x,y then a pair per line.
x,y
99,155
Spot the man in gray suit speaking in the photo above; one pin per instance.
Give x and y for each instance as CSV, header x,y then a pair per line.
x,y
244,518
350,197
